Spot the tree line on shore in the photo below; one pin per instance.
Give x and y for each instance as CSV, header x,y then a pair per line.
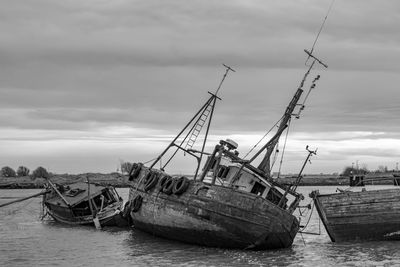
x,y
23,171
125,167
350,170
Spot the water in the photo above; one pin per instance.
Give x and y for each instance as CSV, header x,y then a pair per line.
x,y
25,240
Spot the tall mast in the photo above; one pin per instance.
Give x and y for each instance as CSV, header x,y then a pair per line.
x,y
265,164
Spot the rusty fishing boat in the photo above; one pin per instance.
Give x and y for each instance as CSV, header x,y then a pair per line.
x,y
230,202
84,204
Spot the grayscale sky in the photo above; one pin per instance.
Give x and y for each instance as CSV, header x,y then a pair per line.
x,y
86,84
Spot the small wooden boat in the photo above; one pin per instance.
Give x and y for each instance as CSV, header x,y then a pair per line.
x,y
363,215
84,204
230,202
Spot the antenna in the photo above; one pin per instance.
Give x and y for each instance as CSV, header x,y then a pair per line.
x,y
319,32
223,78
299,177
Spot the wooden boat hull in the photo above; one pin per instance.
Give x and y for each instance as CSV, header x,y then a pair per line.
x,y
368,215
75,204
215,216
110,217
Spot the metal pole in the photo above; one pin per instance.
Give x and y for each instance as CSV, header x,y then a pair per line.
x,y
25,198
310,153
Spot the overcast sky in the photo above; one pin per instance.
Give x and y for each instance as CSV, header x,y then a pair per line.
x,y
85,84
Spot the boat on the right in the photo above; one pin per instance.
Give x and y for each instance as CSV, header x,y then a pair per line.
x,y
362,215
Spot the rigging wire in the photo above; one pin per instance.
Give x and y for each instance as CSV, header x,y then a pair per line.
x,y
262,138
150,160
283,149
275,154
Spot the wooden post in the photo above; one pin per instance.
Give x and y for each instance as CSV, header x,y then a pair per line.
x,y
94,213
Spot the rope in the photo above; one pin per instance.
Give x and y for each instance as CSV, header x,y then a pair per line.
x,y
309,219
149,160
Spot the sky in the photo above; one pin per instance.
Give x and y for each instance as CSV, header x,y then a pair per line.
x,y
85,85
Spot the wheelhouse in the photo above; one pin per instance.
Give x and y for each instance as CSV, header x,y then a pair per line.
x,y
225,168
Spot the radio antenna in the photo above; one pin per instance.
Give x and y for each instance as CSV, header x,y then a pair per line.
x,y
319,32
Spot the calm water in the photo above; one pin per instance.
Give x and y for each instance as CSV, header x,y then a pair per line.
x,y
25,240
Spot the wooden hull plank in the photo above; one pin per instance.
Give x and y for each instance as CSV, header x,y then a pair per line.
x,y
367,215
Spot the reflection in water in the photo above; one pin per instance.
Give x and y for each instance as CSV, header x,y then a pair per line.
x,y
27,241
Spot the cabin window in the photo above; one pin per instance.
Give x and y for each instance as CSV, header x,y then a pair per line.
x,y
213,162
258,189
106,200
111,196
275,197
223,171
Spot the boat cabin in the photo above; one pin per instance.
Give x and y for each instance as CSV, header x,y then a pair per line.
x,y
226,169
75,199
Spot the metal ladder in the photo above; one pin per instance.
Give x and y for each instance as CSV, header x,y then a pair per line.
x,y
199,125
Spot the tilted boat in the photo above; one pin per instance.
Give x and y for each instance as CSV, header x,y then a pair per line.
x,y
84,204
361,215
230,202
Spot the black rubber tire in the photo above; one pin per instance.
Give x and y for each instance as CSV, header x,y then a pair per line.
x,y
180,185
136,168
169,184
151,181
162,181
147,177
137,203
127,209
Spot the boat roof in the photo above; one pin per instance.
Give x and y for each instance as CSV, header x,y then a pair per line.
x,y
76,193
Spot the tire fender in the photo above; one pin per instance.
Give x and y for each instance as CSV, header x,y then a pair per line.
x,y
180,185
151,181
168,185
137,203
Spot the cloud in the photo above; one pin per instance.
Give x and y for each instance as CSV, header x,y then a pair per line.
x,y
134,72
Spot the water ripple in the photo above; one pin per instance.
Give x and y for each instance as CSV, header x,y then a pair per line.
x,y
27,241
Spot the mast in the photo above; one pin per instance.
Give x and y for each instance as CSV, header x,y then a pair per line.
x,y
265,163
193,128
264,166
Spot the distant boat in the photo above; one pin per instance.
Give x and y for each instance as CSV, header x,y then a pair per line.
x,y
229,202
356,180
396,179
84,204
363,215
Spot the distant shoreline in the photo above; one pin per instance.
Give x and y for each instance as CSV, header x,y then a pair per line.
x,y
113,179
121,181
